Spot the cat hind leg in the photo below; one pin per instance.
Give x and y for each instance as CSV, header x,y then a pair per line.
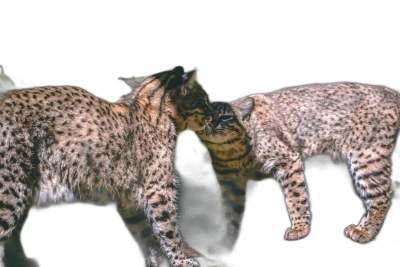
x,y
14,254
370,171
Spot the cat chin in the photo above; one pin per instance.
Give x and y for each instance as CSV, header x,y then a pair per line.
x,y
217,139
195,126
210,135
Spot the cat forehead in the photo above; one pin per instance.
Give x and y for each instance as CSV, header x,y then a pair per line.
x,y
196,88
223,109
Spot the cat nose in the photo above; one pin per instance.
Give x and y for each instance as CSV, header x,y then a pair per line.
x,y
214,123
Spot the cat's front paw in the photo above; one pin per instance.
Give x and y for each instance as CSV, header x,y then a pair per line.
x,y
190,263
154,258
296,232
359,235
190,253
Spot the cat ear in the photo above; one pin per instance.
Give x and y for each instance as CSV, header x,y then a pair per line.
x,y
179,69
187,79
134,82
245,107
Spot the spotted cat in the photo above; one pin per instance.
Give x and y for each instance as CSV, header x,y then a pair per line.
x,y
275,132
62,144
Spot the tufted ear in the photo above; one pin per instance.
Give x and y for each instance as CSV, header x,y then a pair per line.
x,y
182,80
179,69
187,80
134,82
245,107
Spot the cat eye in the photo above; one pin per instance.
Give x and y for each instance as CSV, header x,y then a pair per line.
x,y
225,118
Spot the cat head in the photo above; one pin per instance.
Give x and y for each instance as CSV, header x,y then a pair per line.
x,y
228,124
184,92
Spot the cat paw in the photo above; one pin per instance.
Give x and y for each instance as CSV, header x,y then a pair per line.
x,y
218,249
296,233
190,253
154,258
189,263
358,235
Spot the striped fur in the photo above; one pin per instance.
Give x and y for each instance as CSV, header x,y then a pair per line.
x,y
62,144
275,132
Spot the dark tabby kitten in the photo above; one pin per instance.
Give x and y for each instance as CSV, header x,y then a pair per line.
x,y
275,132
63,144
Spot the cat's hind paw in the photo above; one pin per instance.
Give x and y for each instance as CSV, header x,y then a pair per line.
x,y
358,235
296,233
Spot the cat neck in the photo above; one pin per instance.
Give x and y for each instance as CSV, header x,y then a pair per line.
x,y
228,159
146,116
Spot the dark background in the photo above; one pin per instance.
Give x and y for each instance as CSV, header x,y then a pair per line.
x,y
234,58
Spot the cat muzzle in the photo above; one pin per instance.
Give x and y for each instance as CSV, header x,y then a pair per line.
x,y
214,123
207,119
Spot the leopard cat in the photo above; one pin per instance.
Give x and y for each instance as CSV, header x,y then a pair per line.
x,y
273,133
62,144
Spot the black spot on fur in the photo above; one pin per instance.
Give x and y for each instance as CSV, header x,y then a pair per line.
x,y
165,216
170,234
5,225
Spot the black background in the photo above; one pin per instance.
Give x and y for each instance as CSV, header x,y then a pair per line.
x,y
235,57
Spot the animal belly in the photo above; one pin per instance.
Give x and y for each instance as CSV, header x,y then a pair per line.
x,y
52,192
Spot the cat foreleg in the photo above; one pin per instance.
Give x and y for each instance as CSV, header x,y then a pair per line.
x,y
158,198
291,176
138,225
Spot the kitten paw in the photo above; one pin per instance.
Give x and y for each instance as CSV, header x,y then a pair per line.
x,y
358,235
218,249
296,233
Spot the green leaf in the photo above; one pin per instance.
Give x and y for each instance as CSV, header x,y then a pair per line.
x,y
6,83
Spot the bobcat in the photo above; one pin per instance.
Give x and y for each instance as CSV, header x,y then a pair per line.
x,y
63,144
275,132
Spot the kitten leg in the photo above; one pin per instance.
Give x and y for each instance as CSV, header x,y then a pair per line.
x,y
291,176
370,171
233,192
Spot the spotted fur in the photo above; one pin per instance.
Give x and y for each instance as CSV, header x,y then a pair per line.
x,y
275,132
62,144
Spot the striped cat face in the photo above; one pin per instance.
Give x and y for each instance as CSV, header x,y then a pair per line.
x,y
184,92
194,105
227,126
